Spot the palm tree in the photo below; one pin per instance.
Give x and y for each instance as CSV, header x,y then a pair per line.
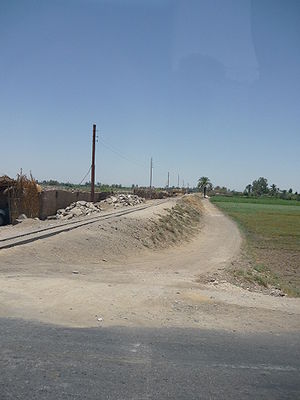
x,y
274,189
248,188
204,184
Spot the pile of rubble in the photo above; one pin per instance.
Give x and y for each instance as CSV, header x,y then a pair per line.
x,y
85,208
77,209
123,200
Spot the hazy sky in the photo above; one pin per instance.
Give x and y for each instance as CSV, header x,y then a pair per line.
x,y
206,87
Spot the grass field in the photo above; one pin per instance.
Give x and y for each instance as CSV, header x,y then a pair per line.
x,y
272,231
255,200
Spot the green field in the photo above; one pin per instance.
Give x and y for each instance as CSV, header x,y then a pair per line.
x,y
272,231
254,200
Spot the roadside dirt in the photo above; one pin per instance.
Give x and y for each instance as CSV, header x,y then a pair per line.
x,y
129,271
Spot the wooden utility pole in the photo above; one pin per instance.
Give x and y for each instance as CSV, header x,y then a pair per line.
x,y
168,180
93,165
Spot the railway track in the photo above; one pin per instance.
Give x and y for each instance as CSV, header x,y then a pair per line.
x,y
42,233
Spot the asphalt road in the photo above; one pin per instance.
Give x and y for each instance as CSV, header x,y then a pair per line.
x,y
49,362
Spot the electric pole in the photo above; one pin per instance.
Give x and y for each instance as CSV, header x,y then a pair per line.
x,y
151,172
168,185
93,165
178,182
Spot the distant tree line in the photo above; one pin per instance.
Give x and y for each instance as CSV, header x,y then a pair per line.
x,y
84,186
257,188
260,187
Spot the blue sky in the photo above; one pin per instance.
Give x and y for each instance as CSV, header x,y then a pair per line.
x,y
206,87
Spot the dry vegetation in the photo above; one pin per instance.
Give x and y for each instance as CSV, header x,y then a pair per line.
x,y
23,195
179,223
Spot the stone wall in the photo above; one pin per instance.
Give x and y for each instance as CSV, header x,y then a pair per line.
x,y
53,200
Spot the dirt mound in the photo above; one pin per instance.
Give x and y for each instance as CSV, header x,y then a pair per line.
x,y
165,225
179,223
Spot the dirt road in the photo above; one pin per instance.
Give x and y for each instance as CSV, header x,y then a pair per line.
x,y
103,276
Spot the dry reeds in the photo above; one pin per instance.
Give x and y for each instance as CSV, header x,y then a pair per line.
x,y
23,196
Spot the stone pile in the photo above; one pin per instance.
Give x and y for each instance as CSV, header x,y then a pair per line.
x,y
123,200
78,209
85,208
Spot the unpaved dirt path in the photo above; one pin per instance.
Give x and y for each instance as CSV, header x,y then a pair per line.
x,y
148,288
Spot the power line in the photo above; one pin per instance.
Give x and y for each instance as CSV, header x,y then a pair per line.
x,y
117,152
85,175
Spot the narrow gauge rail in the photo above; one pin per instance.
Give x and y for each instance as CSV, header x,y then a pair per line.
x,y
31,236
